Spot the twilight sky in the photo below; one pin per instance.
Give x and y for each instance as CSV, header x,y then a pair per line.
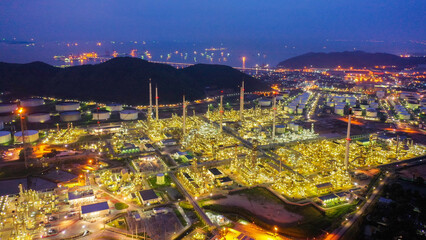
x,y
213,20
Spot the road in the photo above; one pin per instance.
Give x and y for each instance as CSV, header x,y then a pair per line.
x,y
339,232
194,203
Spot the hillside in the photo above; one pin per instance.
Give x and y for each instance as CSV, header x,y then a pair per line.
x,y
123,80
356,59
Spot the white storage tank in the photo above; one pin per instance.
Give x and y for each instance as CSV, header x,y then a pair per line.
x,y
70,116
114,107
30,136
8,107
67,106
340,110
5,137
404,115
280,129
265,102
32,102
279,97
371,112
357,111
101,115
6,117
38,117
128,115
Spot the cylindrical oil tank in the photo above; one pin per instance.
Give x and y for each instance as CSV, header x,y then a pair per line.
x,y
70,116
114,107
265,102
8,107
30,136
5,137
32,102
371,112
38,117
67,106
280,129
101,115
129,114
1,125
357,111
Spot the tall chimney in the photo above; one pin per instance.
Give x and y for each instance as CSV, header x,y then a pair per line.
x,y
156,102
221,113
348,140
184,116
274,108
242,102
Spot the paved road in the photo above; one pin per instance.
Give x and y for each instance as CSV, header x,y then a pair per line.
x,y
192,201
339,232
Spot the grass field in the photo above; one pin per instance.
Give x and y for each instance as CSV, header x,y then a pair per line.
x,y
313,223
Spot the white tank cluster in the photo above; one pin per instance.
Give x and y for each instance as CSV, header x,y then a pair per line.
x,y
128,115
67,106
101,115
8,107
29,135
32,102
264,102
70,116
5,137
114,107
38,117
298,104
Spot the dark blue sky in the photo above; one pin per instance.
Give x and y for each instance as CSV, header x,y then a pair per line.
x,y
213,20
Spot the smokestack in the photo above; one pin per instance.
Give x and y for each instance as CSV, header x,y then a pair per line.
x,y
156,102
274,108
348,140
184,116
150,100
242,101
221,113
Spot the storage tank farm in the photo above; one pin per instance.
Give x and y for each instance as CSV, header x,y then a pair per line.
x,y
129,114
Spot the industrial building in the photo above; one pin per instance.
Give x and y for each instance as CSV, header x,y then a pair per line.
x,y
149,197
95,210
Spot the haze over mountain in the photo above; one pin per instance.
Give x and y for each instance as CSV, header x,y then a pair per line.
x,y
356,59
123,80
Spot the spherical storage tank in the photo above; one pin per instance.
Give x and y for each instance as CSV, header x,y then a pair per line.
x,y
30,136
38,117
129,115
31,102
265,102
67,106
5,137
70,116
8,107
101,115
114,107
